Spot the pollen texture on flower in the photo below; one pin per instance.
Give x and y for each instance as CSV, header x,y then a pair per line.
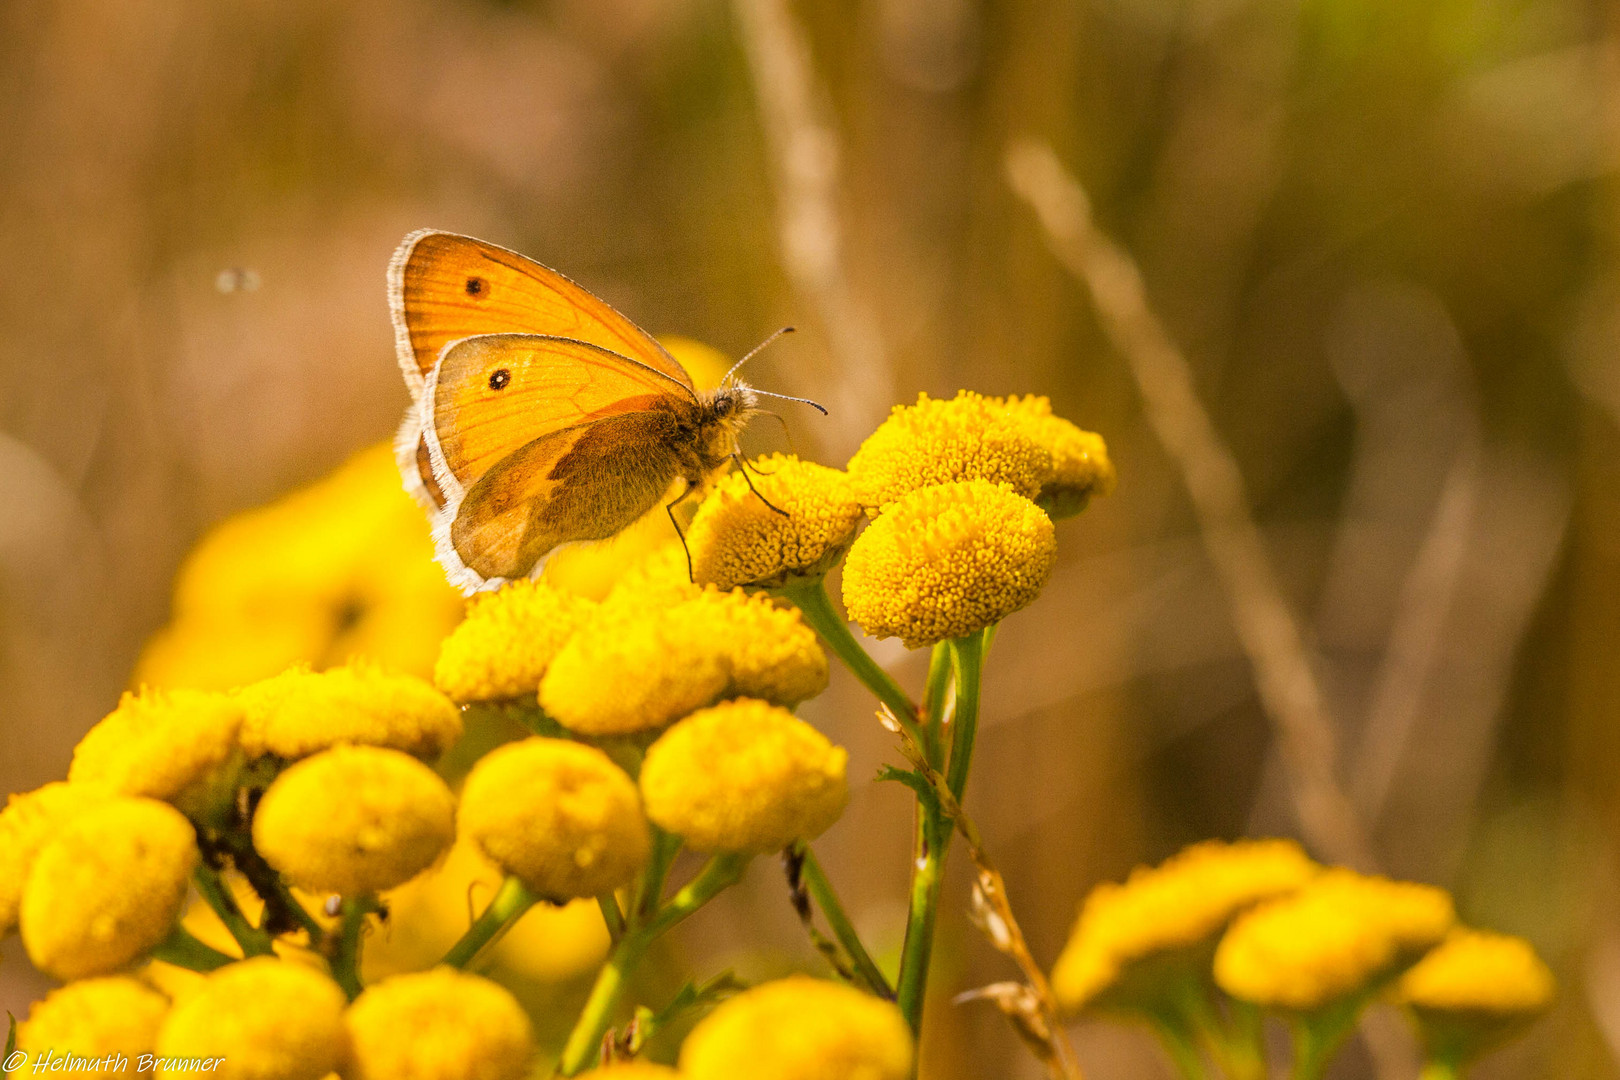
x,y
27,823
354,820
799,1028
507,641
300,712
95,1018
1183,902
268,1019
107,887
970,437
441,1024
948,561
173,745
1080,464
1340,934
744,776
737,539
560,815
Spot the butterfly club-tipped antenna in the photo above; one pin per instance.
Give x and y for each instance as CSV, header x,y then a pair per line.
x,y
755,351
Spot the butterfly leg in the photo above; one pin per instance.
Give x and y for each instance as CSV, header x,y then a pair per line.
x,y
755,490
669,508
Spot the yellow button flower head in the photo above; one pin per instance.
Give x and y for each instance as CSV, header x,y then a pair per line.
x,y
1341,934
107,887
1474,990
301,711
507,641
267,1018
736,539
558,814
658,580
1080,464
354,820
947,561
27,823
95,1018
744,776
178,746
799,1029
970,437
634,1070
633,669
1124,930
439,1025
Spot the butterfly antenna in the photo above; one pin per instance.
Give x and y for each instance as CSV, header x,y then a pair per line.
x,y
822,409
755,351
755,490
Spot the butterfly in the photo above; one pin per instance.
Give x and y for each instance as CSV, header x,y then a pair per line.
x,y
540,416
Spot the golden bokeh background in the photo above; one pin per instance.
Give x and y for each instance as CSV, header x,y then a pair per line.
x,y
1386,236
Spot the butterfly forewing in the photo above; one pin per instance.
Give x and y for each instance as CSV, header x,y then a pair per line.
x,y
443,287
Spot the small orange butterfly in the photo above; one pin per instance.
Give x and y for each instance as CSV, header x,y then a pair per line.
x,y
541,416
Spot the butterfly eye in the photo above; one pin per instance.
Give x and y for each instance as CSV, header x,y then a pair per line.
x,y
476,286
499,379
722,407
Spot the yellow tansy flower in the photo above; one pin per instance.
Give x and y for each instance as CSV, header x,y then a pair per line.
x,y
736,539
1341,934
179,746
354,820
632,669
658,580
342,568
970,437
1179,905
560,815
439,1025
96,1019
1474,990
507,641
27,823
1080,464
301,711
948,561
107,887
799,1029
744,776
267,1018
634,1070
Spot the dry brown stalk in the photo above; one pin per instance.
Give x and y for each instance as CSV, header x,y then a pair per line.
x,y
1267,629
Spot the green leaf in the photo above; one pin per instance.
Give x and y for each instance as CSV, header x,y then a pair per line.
x,y
914,780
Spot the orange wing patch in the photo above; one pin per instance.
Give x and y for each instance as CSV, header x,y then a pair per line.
x,y
443,287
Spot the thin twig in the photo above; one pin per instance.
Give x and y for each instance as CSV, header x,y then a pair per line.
x,y
1030,1004
1267,629
805,155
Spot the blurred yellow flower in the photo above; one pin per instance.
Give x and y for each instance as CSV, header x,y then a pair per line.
x,y
1472,991
799,1028
634,1070
96,1018
28,822
441,1024
337,570
1180,904
744,776
300,711
354,820
636,669
658,579
430,912
560,815
947,561
1341,934
507,641
736,539
179,746
1080,464
267,1018
970,437
107,887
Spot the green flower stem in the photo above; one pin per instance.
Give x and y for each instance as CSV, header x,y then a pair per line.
x,y
1179,1045
969,658
254,941
936,697
650,892
1440,1069
511,900
345,959
611,915
821,891
585,1041
933,833
181,949
811,598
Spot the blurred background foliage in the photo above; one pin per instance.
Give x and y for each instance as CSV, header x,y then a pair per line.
x,y
1386,234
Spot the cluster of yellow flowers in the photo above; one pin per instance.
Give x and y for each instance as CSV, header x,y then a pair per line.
x,y
1200,945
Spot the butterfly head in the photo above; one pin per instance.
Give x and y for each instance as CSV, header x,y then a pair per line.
x,y
722,415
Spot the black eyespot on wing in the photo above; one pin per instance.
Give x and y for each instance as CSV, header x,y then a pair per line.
x,y
477,286
499,379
